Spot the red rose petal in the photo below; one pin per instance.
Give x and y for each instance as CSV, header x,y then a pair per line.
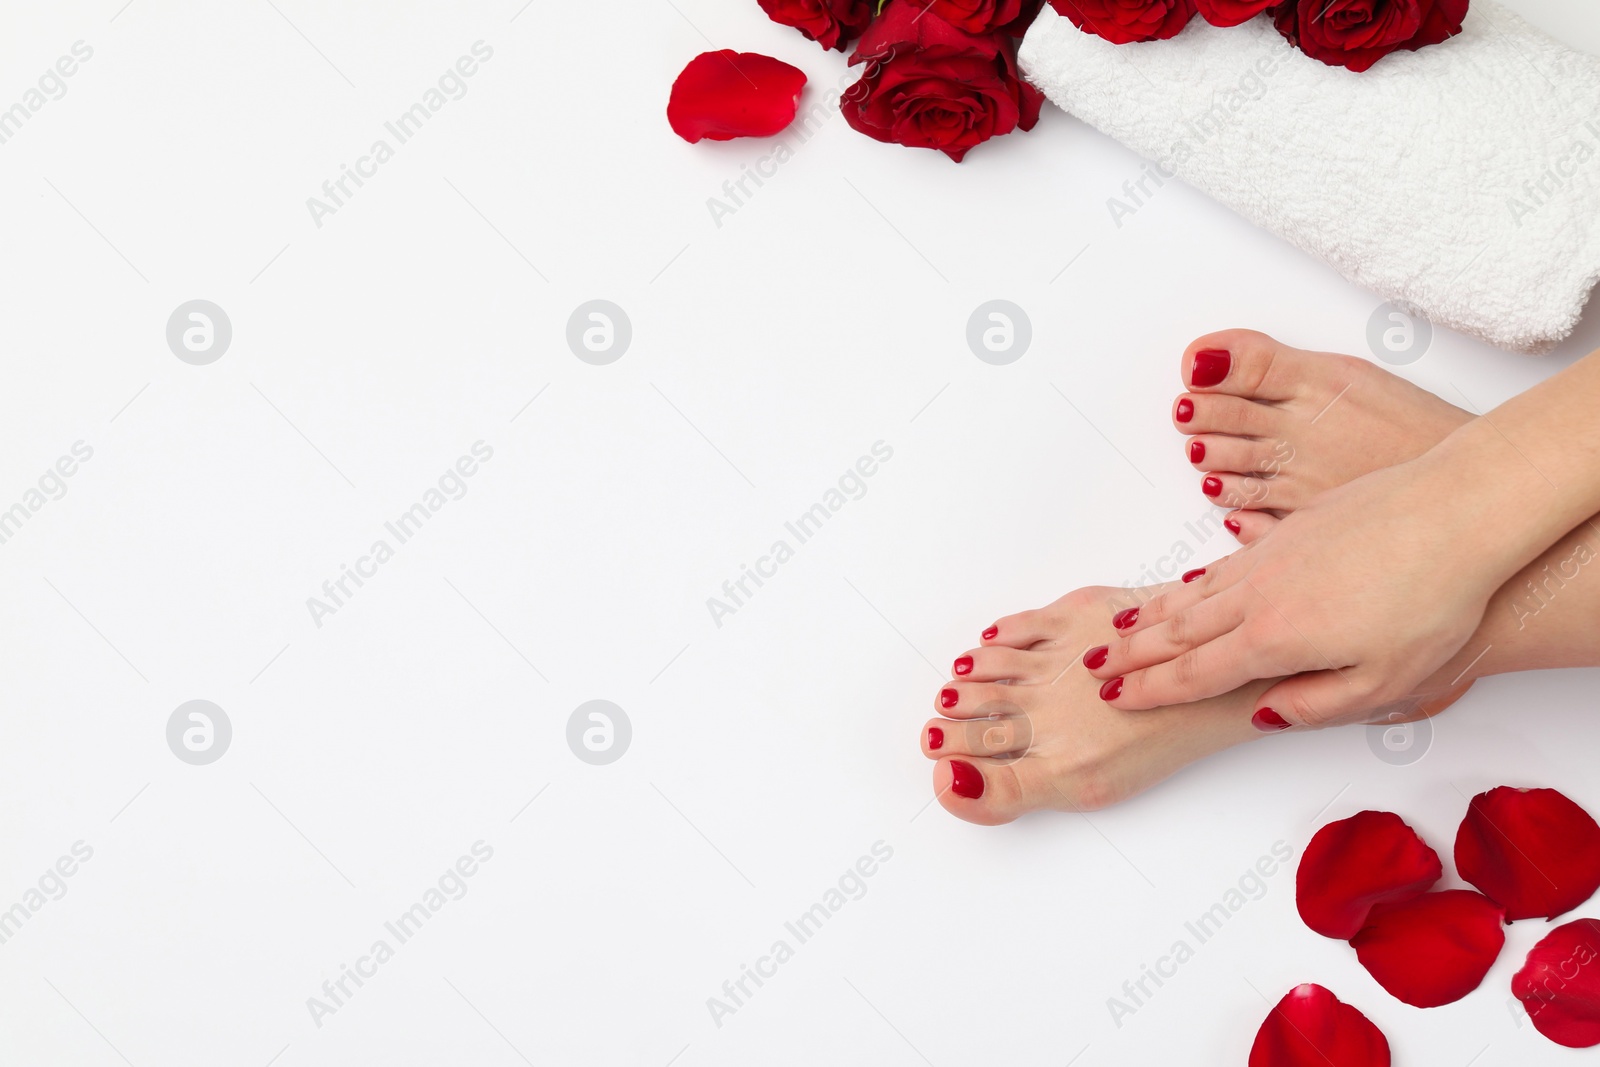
x,y
1231,12
1373,857
1560,984
1310,1027
1434,949
728,94
1533,851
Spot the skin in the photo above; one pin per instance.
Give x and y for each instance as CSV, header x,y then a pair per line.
x,y
1351,621
1046,741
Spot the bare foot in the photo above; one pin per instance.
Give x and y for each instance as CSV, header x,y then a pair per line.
x,y
1276,426
1025,728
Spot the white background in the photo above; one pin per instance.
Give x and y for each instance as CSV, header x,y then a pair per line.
x,y
827,313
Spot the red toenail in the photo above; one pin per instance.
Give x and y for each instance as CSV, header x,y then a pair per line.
x,y
964,665
948,698
935,738
1268,721
1197,450
1125,618
1210,367
1212,486
1232,526
989,634
1111,690
1096,657
1185,410
1190,576
965,781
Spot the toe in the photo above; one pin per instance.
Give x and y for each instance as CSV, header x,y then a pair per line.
x,y
1245,491
994,663
973,700
1241,455
1244,363
1201,413
984,791
1249,526
1010,735
1025,628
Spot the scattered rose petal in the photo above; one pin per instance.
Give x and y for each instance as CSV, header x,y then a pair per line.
x,y
1533,851
1373,857
1560,984
728,94
1433,949
1310,1027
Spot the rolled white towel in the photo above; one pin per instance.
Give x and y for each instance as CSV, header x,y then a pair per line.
x,y
1461,181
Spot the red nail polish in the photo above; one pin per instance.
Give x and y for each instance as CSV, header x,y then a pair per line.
x,y
989,634
1096,657
1210,367
1190,576
1197,450
1267,721
1125,618
948,698
1212,486
965,781
1185,410
935,738
1232,526
1111,690
964,665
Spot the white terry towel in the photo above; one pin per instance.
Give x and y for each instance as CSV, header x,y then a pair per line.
x,y
1460,181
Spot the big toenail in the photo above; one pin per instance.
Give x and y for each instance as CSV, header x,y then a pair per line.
x,y
1197,450
1111,690
1212,486
989,634
965,781
1210,367
948,698
935,738
1189,576
1268,721
1185,410
1125,618
1095,658
1232,526
964,665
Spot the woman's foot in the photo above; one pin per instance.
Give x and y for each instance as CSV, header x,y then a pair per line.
x,y
1024,728
1273,427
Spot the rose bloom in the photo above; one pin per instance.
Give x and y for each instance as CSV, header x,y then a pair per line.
x,y
1357,33
985,16
1126,21
831,23
927,84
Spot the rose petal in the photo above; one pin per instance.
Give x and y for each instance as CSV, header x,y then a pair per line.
x,y
831,23
1310,1027
728,94
1434,949
1373,857
1560,984
1231,12
1532,851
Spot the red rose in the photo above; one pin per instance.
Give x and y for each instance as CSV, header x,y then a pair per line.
x,y
985,16
1357,33
930,85
1125,21
1231,12
830,23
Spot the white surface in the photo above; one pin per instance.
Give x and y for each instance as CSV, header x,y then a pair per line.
x,y
769,754
1458,180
